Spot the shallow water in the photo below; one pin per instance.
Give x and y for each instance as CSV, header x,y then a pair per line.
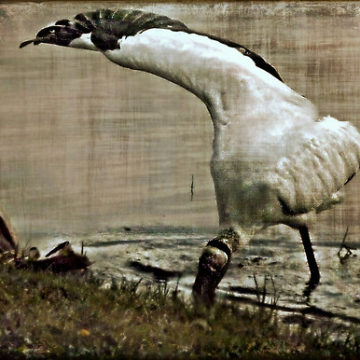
x,y
171,255
87,148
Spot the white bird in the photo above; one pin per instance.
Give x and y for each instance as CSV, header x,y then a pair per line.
x,y
274,160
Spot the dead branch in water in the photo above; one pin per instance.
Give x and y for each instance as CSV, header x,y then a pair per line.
x,y
306,310
348,249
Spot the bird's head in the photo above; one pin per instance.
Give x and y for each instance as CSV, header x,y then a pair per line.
x,y
58,34
101,29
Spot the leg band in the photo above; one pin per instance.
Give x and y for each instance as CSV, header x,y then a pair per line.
x,y
221,245
227,241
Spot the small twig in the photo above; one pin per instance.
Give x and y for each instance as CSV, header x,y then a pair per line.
x,y
176,290
257,288
276,296
346,247
136,285
264,290
82,248
27,244
260,293
344,238
192,187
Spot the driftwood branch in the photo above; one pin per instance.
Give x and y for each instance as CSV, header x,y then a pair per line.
x,y
348,249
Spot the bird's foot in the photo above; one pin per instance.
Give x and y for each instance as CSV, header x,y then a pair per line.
x,y
311,285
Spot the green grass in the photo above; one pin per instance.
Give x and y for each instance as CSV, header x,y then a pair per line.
x,y
50,316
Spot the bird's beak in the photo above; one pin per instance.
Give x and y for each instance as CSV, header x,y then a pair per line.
x,y
27,42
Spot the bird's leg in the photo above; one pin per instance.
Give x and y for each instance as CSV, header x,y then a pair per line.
x,y
213,263
314,270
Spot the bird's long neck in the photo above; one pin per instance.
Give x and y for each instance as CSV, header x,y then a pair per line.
x,y
205,67
185,59
228,82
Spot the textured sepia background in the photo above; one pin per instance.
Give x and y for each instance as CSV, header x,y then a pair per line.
x,y
85,144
